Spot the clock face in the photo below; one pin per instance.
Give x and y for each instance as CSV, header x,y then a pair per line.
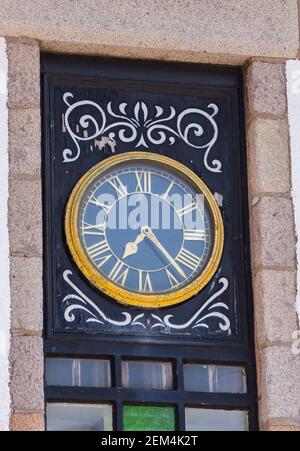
x,y
144,229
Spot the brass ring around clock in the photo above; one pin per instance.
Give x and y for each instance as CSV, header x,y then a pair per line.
x,y
115,291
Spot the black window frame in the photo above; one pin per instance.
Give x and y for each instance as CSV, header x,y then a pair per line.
x,y
178,397
239,352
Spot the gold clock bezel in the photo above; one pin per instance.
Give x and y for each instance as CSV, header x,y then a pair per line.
x,y
115,291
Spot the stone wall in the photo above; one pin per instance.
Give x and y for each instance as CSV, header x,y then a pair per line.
x,y
25,235
272,245
224,31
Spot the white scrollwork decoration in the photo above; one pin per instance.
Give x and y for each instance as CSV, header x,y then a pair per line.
x,y
140,127
78,301
199,319
85,121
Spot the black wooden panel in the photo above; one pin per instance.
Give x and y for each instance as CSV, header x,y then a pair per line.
x,y
217,93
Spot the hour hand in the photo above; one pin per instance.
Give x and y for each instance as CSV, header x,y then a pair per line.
x,y
132,246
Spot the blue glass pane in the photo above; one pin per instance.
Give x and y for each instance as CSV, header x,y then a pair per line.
x,y
147,374
78,372
214,378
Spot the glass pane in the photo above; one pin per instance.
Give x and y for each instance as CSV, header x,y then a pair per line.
x,y
149,418
79,417
215,420
147,374
214,378
230,379
196,377
78,372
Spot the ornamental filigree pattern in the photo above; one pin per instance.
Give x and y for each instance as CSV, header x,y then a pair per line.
x,y
200,319
136,125
79,301
213,308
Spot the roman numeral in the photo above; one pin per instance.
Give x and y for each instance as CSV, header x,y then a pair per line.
x,y
188,259
116,274
95,201
188,209
89,229
165,195
97,249
116,183
143,181
101,260
194,234
172,279
145,282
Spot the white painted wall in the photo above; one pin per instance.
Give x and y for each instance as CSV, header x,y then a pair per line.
x,y
293,95
4,247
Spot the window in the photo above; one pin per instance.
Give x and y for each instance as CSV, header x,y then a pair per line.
x,y
78,372
147,374
149,418
79,417
197,419
214,378
146,329
173,390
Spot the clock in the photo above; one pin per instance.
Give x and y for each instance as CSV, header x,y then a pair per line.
x,y
144,230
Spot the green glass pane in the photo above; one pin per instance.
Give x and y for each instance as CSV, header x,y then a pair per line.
x,y
148,418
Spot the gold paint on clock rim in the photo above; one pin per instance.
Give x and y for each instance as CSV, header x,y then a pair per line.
x,y
115,291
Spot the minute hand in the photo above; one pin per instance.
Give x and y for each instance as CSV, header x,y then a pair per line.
x,y
158,244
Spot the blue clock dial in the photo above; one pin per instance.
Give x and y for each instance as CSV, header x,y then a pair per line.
x,y
143,228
